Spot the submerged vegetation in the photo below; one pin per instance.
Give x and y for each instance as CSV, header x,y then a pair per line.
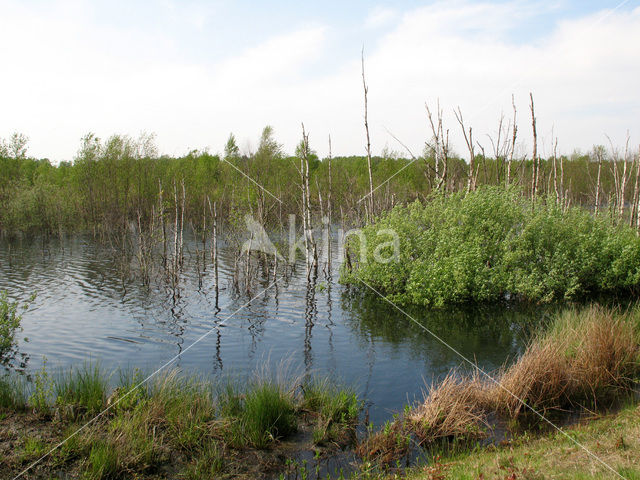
x,y
491,244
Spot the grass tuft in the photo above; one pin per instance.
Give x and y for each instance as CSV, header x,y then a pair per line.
x,y
84,388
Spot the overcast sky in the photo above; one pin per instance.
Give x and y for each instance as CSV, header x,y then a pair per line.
x,y
194,71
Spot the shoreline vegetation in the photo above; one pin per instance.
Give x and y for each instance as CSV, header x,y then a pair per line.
x,y
493,244
493,227
584,360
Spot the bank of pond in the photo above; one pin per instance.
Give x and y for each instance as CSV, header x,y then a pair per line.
x,y
88,423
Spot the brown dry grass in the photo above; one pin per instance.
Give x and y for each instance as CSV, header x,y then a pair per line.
x,y
585,358
450,410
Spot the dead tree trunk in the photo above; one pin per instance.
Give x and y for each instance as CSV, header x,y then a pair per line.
x,y
598,153
513,142
366,127
536,162
470,146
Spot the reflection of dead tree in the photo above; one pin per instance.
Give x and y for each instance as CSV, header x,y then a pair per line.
x,y
471,182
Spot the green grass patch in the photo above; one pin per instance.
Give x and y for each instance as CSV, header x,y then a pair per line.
x,y
84,387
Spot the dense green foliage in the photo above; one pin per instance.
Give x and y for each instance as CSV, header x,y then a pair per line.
x,y
9,322
493,243
112,183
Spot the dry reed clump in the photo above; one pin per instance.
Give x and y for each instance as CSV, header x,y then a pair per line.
x,y
604,355
588,356
450,410
539,379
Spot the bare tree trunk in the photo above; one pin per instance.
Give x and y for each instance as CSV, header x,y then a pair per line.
x,y
313,263
638,195
513,141
625,178
175,230
329,213
366,127
440,146
470,146
634,201
536,165
555,171
164,228
598,153
214,247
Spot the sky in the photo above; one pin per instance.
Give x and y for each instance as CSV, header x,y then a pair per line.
x,y
192,72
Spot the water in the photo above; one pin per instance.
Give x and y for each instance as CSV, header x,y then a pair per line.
x,y
84,311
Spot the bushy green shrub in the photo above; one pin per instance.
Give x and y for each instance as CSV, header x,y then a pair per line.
x,y
491,244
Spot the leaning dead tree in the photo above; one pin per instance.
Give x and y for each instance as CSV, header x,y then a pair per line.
x,y
471,181
370,202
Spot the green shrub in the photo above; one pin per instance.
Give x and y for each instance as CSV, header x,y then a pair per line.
x,y
491,244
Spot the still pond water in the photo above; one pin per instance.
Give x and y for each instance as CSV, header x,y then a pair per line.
x,y
84,311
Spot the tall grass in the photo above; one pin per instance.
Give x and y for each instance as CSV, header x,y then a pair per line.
x,y
83,387
13,392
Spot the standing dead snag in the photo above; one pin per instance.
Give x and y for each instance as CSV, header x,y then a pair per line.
x,y
555,169
598,152
513,141
536,160
634,200
328,240
310,245
440,147
366,127
471,182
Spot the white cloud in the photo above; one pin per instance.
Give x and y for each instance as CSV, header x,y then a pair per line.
x,y
379,17
64,74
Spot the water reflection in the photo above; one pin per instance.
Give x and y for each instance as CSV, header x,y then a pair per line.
x,y
91,308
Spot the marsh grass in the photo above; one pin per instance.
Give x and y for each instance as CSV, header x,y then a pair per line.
x,y
84,388
195,427
268,413
13,392
337,408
